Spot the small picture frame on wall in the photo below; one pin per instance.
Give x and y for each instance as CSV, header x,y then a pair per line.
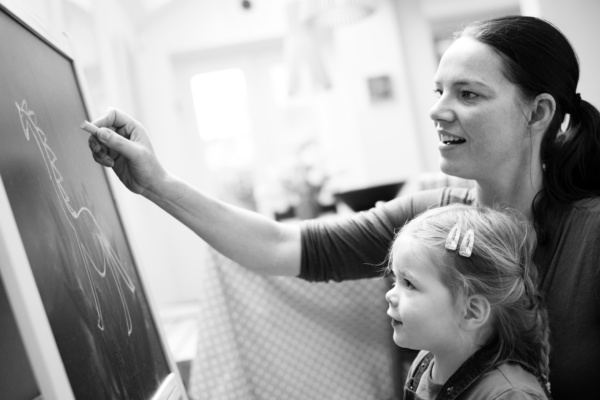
x,y
380,89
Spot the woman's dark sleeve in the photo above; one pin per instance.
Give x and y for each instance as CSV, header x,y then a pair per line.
x,y
356,246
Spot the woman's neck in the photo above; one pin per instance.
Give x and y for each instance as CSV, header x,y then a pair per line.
x,y
517,193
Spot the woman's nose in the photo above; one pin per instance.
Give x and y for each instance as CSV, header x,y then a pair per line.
x,y
392,297
441,110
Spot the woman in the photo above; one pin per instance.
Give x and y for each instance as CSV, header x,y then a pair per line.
x,y
505,87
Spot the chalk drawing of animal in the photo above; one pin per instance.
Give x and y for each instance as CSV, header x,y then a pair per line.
x,y
97,254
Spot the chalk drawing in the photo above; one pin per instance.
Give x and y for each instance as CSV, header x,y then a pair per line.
x,y
94,247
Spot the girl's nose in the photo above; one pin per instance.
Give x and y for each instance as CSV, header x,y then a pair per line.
x,y
392,297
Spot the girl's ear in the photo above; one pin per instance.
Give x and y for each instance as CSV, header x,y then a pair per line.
x,y
477,312
542,112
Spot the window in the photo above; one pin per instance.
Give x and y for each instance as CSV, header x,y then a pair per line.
x,y
220,103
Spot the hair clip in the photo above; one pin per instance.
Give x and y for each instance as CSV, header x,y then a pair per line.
x,y
453,236
466,247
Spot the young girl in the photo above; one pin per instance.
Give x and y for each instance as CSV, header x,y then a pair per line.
x,y
465,294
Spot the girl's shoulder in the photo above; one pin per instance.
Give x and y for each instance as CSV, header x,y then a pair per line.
x,y
507,381
420,358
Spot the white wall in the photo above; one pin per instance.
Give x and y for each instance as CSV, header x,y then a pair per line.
x,y
385,135
578,20
368,48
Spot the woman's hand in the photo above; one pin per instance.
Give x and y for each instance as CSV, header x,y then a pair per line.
x,y
122,144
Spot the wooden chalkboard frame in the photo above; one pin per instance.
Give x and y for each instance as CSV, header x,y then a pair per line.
x,y
18,278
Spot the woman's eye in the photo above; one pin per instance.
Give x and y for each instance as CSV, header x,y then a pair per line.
x,y
465,94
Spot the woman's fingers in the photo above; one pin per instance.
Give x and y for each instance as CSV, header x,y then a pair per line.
x,y
97,148
116,120
100,152
118,143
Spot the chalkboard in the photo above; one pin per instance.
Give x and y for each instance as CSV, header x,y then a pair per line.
x,y
68,222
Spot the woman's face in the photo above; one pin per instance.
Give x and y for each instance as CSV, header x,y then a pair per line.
x,y
479,115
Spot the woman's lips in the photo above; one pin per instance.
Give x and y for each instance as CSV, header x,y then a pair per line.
x,y
450,139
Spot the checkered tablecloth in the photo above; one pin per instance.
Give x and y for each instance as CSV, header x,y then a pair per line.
x,y
277,338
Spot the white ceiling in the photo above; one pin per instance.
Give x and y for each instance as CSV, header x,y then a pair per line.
x,y
434,9
444,14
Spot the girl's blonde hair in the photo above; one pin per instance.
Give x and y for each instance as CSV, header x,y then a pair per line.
x,y
500,268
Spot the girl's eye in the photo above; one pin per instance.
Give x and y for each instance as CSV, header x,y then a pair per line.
x,y
407,284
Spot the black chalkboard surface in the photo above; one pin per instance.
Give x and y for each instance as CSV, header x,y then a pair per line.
x,y
69,225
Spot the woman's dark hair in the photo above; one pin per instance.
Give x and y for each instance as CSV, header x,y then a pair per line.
x,y
539,59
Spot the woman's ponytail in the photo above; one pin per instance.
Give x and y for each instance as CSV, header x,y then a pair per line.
x,y
572,158
534,344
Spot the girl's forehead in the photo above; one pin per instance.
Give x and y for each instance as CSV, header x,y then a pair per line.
x,y
411,256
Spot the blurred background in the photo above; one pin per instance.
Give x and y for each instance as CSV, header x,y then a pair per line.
x,y
276,105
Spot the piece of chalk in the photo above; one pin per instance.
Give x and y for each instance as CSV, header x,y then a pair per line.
x,y
89,127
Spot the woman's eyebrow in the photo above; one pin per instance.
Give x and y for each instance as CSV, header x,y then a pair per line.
x,y
465,82
470,82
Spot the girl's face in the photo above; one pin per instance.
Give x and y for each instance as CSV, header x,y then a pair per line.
x,y
423,312
479,115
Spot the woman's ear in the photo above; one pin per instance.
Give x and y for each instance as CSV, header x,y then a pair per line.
x,y
542,112
477,312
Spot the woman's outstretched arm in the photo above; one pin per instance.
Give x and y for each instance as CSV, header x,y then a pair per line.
x,y
250,239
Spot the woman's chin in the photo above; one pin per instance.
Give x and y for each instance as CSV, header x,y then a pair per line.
x,y
448,168
451,169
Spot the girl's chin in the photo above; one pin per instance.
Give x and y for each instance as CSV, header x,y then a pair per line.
x,y
404,344
401,341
